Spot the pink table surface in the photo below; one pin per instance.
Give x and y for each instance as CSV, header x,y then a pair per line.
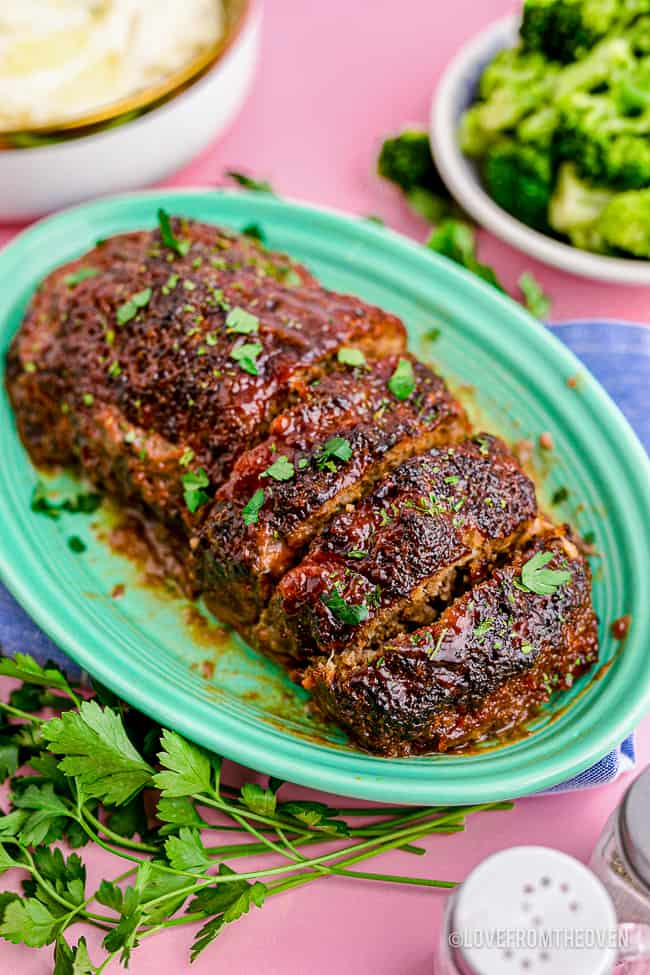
x,y
333,78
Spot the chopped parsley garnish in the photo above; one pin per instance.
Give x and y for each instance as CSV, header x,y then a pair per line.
x,y
336,448
433,334
560,495
344,612
536,300
452,479
291,278
30,367
402,382
526,648
483,628
181,247
430,505
302,463
241,321
246,355
81,504
187,457
193,493
483,446
357,553
88,399
281,470
130,308
251,510
76,545
170,284
434,650
189,285
535,578
115,369
248,183
351,357
81,274
255,231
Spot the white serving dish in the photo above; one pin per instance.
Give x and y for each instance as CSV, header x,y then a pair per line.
x,y
455,92
38,180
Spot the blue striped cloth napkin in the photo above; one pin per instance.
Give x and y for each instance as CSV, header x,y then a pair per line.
x,y
617,353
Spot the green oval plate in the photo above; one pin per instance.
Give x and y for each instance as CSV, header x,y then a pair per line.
x,y
208,685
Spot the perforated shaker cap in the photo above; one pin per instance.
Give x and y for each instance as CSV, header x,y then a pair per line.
x,y
635,826
533,911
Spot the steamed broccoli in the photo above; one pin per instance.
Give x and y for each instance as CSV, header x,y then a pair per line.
x,y
608,145
511,87
406,160
625,223
576,207
564,29
520,179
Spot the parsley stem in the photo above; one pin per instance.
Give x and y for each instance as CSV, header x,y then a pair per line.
x,y
115,837
233,811
17,713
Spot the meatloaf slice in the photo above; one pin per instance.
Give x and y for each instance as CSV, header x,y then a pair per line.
x,y
347,433
482,669
397,555
194,352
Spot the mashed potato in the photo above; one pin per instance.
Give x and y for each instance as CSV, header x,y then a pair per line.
x,y
60,59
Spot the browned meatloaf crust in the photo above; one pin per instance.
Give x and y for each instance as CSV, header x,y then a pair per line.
x,y
343,522
493,655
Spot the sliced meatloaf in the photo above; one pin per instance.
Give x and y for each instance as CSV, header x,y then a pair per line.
x,y
482,669
326,452
396,556
142,364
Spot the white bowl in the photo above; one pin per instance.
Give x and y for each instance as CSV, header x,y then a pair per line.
x,y
37,180
455,92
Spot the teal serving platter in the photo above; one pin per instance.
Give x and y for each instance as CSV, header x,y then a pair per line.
x,y
168,658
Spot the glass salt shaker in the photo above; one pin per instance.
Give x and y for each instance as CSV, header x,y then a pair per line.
x,y
622,856
529,910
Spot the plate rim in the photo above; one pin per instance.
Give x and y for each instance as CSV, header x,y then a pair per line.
x,y
291,763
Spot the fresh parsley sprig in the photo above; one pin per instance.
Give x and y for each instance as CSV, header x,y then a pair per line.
x,y
90,768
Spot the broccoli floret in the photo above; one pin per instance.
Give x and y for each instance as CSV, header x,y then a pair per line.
x,y
607,145
406,159
625,223
520,179
511,87
539,128
575,209
564,29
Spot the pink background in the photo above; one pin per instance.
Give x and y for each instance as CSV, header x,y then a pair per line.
x,y
334,77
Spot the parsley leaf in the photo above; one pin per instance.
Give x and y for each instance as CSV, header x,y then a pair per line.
x,y
345,612
248,183
255,231
241,321
402,382
168,237
193,493
25,668
535,578
351,357
259,800
97,753
281,470
186,851
81,504
246,355
45,809
336,448
28,921
251,510
187,768
81,274
130,308
536,300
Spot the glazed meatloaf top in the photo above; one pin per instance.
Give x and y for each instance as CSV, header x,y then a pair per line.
x,y
198,350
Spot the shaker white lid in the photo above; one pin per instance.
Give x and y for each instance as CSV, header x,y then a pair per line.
x,y
533,911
